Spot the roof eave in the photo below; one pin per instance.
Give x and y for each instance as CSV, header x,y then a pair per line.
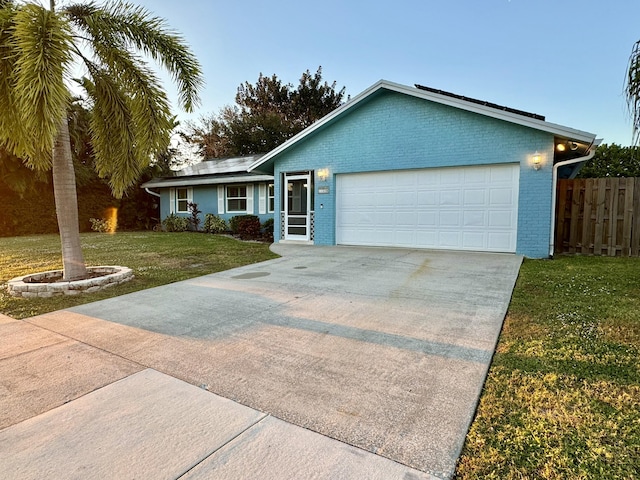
x,y
195,181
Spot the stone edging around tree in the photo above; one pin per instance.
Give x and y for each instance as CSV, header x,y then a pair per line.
x,y
40,285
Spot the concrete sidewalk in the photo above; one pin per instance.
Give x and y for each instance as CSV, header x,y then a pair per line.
x,y
371,360
69,410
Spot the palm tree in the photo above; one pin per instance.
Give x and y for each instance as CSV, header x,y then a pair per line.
x,y
632,90
41,49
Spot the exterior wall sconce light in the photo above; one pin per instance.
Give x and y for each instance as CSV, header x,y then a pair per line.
x,y
536,160
323,174
561,147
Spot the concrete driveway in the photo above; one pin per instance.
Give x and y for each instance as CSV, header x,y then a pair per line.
x,y
384,350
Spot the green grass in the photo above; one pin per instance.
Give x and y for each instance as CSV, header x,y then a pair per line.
x,y
562,398
156,259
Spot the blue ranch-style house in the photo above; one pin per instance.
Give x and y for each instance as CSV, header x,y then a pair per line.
x,y
223,187
400,166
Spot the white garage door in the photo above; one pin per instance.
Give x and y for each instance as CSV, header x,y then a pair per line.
x,y
461,208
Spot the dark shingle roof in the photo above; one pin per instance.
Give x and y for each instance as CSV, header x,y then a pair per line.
x,y
481,102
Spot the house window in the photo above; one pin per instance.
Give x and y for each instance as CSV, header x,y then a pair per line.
x,y
183,198
270,198
237,198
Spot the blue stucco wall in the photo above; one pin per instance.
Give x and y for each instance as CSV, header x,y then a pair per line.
x,y
206,197
397,131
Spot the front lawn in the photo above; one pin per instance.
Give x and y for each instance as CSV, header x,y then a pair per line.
x,y
156,259
562,397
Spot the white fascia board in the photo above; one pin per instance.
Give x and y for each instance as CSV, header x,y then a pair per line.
x,y
558,130
191,182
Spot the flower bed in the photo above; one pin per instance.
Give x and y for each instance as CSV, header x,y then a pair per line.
x,y
48,284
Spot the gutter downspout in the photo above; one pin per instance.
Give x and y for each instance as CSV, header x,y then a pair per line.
x,y
146,189
554,184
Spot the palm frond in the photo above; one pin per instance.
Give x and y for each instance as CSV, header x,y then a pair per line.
x,y
122,145
632,91
9,119
42,41
148,101
125,25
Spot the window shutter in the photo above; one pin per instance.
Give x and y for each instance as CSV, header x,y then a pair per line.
x,y
262,200
220,199
172,200
249,199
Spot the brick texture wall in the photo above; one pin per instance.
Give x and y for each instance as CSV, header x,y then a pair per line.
x,y
396,131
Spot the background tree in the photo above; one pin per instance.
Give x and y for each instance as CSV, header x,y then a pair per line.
x,y
612,161
130,118
264,116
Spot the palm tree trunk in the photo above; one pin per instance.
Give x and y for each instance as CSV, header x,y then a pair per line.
x,y
64,189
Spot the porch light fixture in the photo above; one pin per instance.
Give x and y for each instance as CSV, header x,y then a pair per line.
x,y
323,174
561,147
536,160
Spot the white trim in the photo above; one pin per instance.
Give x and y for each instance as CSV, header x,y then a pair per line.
x,y
187,182
221,196
245,198
262,198
172,200
189,199
558,130
249,199
307,236
269,197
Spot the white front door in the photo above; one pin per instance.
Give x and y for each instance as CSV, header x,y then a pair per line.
x,y
297,207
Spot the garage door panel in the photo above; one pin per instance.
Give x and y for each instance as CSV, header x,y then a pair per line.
x,y
469,208
475,218
383,198
405,219
450,197
427,219
501,240
427,197
450,218
406,198
451,240
474,241
475,197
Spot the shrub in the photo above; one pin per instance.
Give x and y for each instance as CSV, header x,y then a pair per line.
x,y
174,223
194,219
245,226
267,228
214,224
101,225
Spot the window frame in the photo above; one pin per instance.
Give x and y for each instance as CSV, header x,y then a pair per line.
x,y
245,197
187,199
271,197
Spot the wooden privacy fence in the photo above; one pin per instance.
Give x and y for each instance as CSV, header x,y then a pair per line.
x,y
598,216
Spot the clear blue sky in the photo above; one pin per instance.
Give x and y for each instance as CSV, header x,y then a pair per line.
x,y
565,59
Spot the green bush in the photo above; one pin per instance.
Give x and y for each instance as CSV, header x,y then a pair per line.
x,y
214,224
175,223
247,227
267,227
